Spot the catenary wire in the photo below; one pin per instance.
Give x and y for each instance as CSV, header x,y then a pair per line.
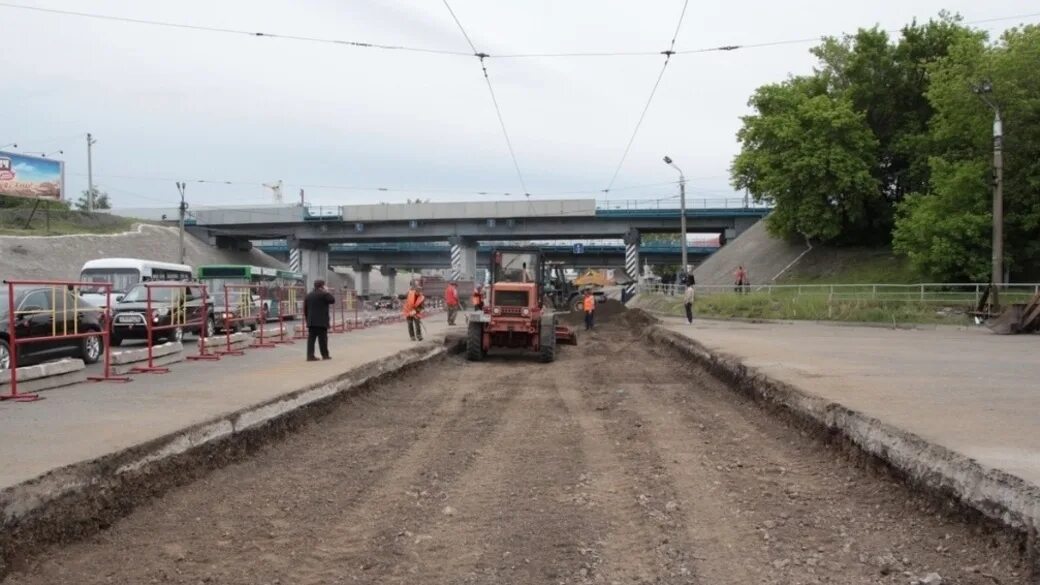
x,y
215,29
667,59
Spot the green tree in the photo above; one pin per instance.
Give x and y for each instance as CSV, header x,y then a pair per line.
x,y
101,200
811,155
946,230
883,82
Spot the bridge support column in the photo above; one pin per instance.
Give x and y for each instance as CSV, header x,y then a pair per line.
x,y
463,258
391,279
632,242
311,259
364,281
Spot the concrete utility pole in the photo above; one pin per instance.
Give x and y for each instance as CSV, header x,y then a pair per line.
x,y
682,216
183,208
997,278
90,173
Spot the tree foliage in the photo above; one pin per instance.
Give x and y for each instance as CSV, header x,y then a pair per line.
x,y
101,200
864,111
947,229
812,155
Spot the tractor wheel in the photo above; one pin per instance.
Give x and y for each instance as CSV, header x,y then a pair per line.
x,y
548,340
475,342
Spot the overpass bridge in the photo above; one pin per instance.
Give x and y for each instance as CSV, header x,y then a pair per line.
x,y
438,254
310,231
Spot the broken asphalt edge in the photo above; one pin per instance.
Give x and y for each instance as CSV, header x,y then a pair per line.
x,y
1010,501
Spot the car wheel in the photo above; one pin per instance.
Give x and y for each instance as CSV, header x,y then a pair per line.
x,y
5,355
178,335
90,349
211,328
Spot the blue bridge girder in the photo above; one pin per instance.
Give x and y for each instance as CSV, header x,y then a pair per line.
x,y
438,255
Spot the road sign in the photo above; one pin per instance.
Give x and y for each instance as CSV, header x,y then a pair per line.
x,y
579,248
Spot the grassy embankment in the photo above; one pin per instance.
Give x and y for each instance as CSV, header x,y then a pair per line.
x,y
892,305
54,222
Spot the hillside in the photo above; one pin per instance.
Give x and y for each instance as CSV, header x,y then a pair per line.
x,y
61,257
825,265
762,255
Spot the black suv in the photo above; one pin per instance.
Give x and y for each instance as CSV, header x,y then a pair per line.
x,y
49,312
173,303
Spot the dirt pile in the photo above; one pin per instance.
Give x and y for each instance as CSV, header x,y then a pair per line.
x,y
605,312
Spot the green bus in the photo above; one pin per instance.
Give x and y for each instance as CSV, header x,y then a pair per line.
x,y
215,276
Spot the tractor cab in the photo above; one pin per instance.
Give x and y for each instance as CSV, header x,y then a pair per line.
x,y
514,314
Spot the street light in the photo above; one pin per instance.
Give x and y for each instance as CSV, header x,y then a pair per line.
x,y
682,213
983,90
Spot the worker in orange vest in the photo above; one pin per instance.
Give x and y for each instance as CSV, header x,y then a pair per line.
x,y
413,309
478,298
451,299
589,305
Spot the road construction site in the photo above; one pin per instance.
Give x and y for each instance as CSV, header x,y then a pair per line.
x,y
624,461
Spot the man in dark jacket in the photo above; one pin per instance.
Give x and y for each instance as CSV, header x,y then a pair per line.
x,y
316,314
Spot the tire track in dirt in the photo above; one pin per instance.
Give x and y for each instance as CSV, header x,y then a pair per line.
x,y
516,515
370,541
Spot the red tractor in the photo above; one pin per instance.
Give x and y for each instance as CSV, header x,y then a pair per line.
x,y
516,313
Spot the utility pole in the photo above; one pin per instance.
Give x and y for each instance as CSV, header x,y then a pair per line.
x,y
183,209
997,278
682,217
90,173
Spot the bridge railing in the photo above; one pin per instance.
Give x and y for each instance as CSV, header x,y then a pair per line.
x,y
966,294
673,203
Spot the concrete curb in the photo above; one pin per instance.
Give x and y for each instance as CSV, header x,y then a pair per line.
x,y
1009,500
124,362
72,502
47,375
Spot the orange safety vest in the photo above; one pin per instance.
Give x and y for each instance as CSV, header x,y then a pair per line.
x,y
476,299
589,304
413,304
451,296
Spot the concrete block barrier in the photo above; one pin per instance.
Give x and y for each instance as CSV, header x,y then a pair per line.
x,y
125,360
240,340
45,376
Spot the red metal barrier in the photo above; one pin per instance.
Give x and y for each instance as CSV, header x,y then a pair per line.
x,y
30,317
246,311
280,296
178,310
296,296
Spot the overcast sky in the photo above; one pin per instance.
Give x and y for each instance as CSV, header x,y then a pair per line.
x,y
180,104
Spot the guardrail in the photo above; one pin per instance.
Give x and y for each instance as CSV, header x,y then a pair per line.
x,y
950,293
691,203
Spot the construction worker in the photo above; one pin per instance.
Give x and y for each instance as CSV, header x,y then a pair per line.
x,y
413,308
741,279
589,305
451,299
478,298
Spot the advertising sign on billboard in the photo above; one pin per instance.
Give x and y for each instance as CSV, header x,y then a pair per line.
x,y
31,176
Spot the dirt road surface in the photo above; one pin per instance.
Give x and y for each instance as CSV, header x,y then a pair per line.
x,y
616,464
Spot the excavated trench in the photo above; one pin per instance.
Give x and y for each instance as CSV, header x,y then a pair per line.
x,y
622,462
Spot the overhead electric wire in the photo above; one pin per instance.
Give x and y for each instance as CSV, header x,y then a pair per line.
x,y
494,99
667,59
216,29
367,45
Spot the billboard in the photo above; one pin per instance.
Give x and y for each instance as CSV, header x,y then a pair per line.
x,y
31,176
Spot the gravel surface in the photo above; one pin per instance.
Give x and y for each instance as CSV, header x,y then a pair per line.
x,y
615,464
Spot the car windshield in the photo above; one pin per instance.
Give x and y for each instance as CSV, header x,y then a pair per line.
x,y
516,267
121,279
139,294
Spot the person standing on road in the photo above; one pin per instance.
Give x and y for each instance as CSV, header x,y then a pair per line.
x,y
688,299
413,308
589,305
316,314
451,298
478,298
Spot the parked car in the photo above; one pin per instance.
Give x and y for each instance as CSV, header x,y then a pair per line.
x,y
36,309
386,302
169,299
232,308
